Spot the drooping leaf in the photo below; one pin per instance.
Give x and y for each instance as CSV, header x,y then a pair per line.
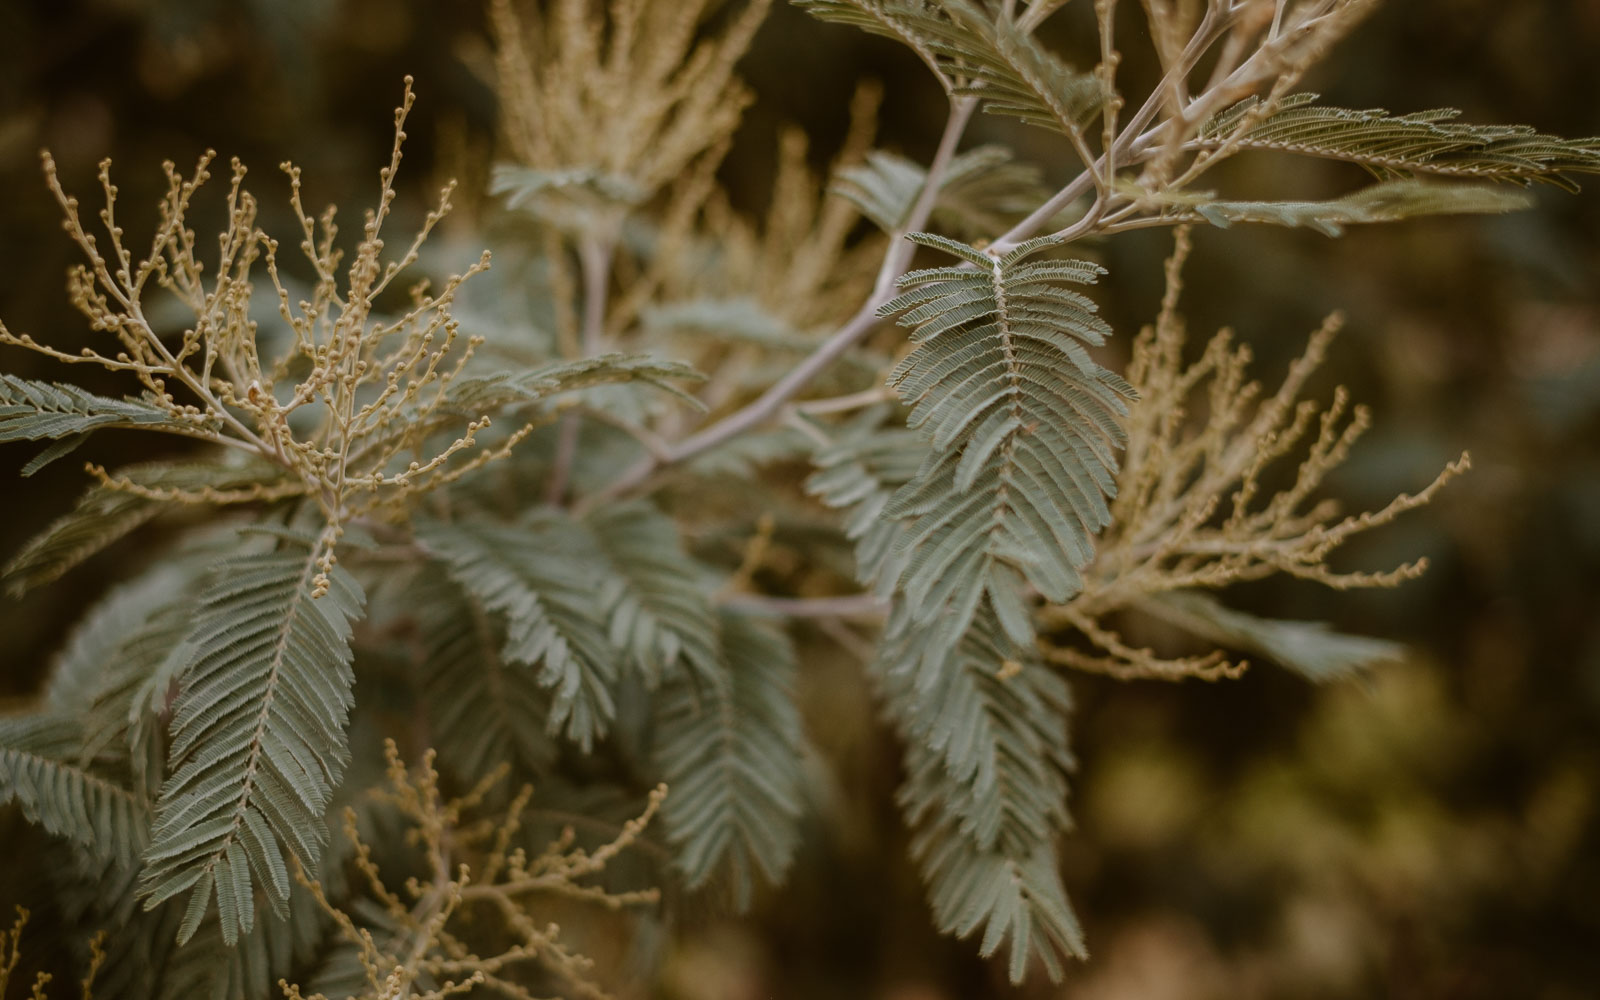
x,y
860,471
1023,425
476,394
258,742
31,410
542,578
983,725
1395,146
482,709
102,636
105,515
983,190
58,449
41,772
659,611
731,755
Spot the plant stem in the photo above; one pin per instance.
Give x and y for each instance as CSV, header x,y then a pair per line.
x,y
594,260
895,261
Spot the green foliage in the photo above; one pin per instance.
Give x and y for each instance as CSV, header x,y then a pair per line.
x,y
984,190
560,196
660,617
984,730
861,471
108,514
1308,648
475,394
976,52
1388,201
258,743
1395,146
479,704
732,754
31,410
1022,424
536,576
38,769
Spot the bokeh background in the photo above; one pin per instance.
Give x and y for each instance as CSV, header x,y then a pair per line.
x,y
1433,832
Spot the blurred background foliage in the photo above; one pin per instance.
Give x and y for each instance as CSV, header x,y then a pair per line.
x,y
1434,832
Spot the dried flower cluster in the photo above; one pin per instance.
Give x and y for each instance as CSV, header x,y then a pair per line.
x,y
1191,511
481,889
351,405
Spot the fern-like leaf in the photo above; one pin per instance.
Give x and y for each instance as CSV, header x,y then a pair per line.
x,y
210,967
1392,146
542,578
40,771
482,709
656,604
477,394
31,410
1388,201
566,198
115,674
859,472
258,743
982,190
984,730
732,756
1023,425
100,640
904,21
104,515
975,52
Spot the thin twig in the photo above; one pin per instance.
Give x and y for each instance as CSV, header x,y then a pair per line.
x,y
896,259
595,254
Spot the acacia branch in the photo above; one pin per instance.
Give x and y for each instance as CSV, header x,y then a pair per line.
x,y
895,261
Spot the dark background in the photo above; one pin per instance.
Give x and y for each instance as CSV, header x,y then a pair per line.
x,y
1433,833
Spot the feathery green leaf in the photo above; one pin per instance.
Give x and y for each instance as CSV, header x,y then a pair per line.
x,y
543,579
982,191
731,753
1393,146
473,395
1023,425
39,770
860,471
31,410
984,730
659,613
258,744
1387,201
482,710
103,515
974,51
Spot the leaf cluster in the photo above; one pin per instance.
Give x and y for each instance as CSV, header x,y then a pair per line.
x,y
541,542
